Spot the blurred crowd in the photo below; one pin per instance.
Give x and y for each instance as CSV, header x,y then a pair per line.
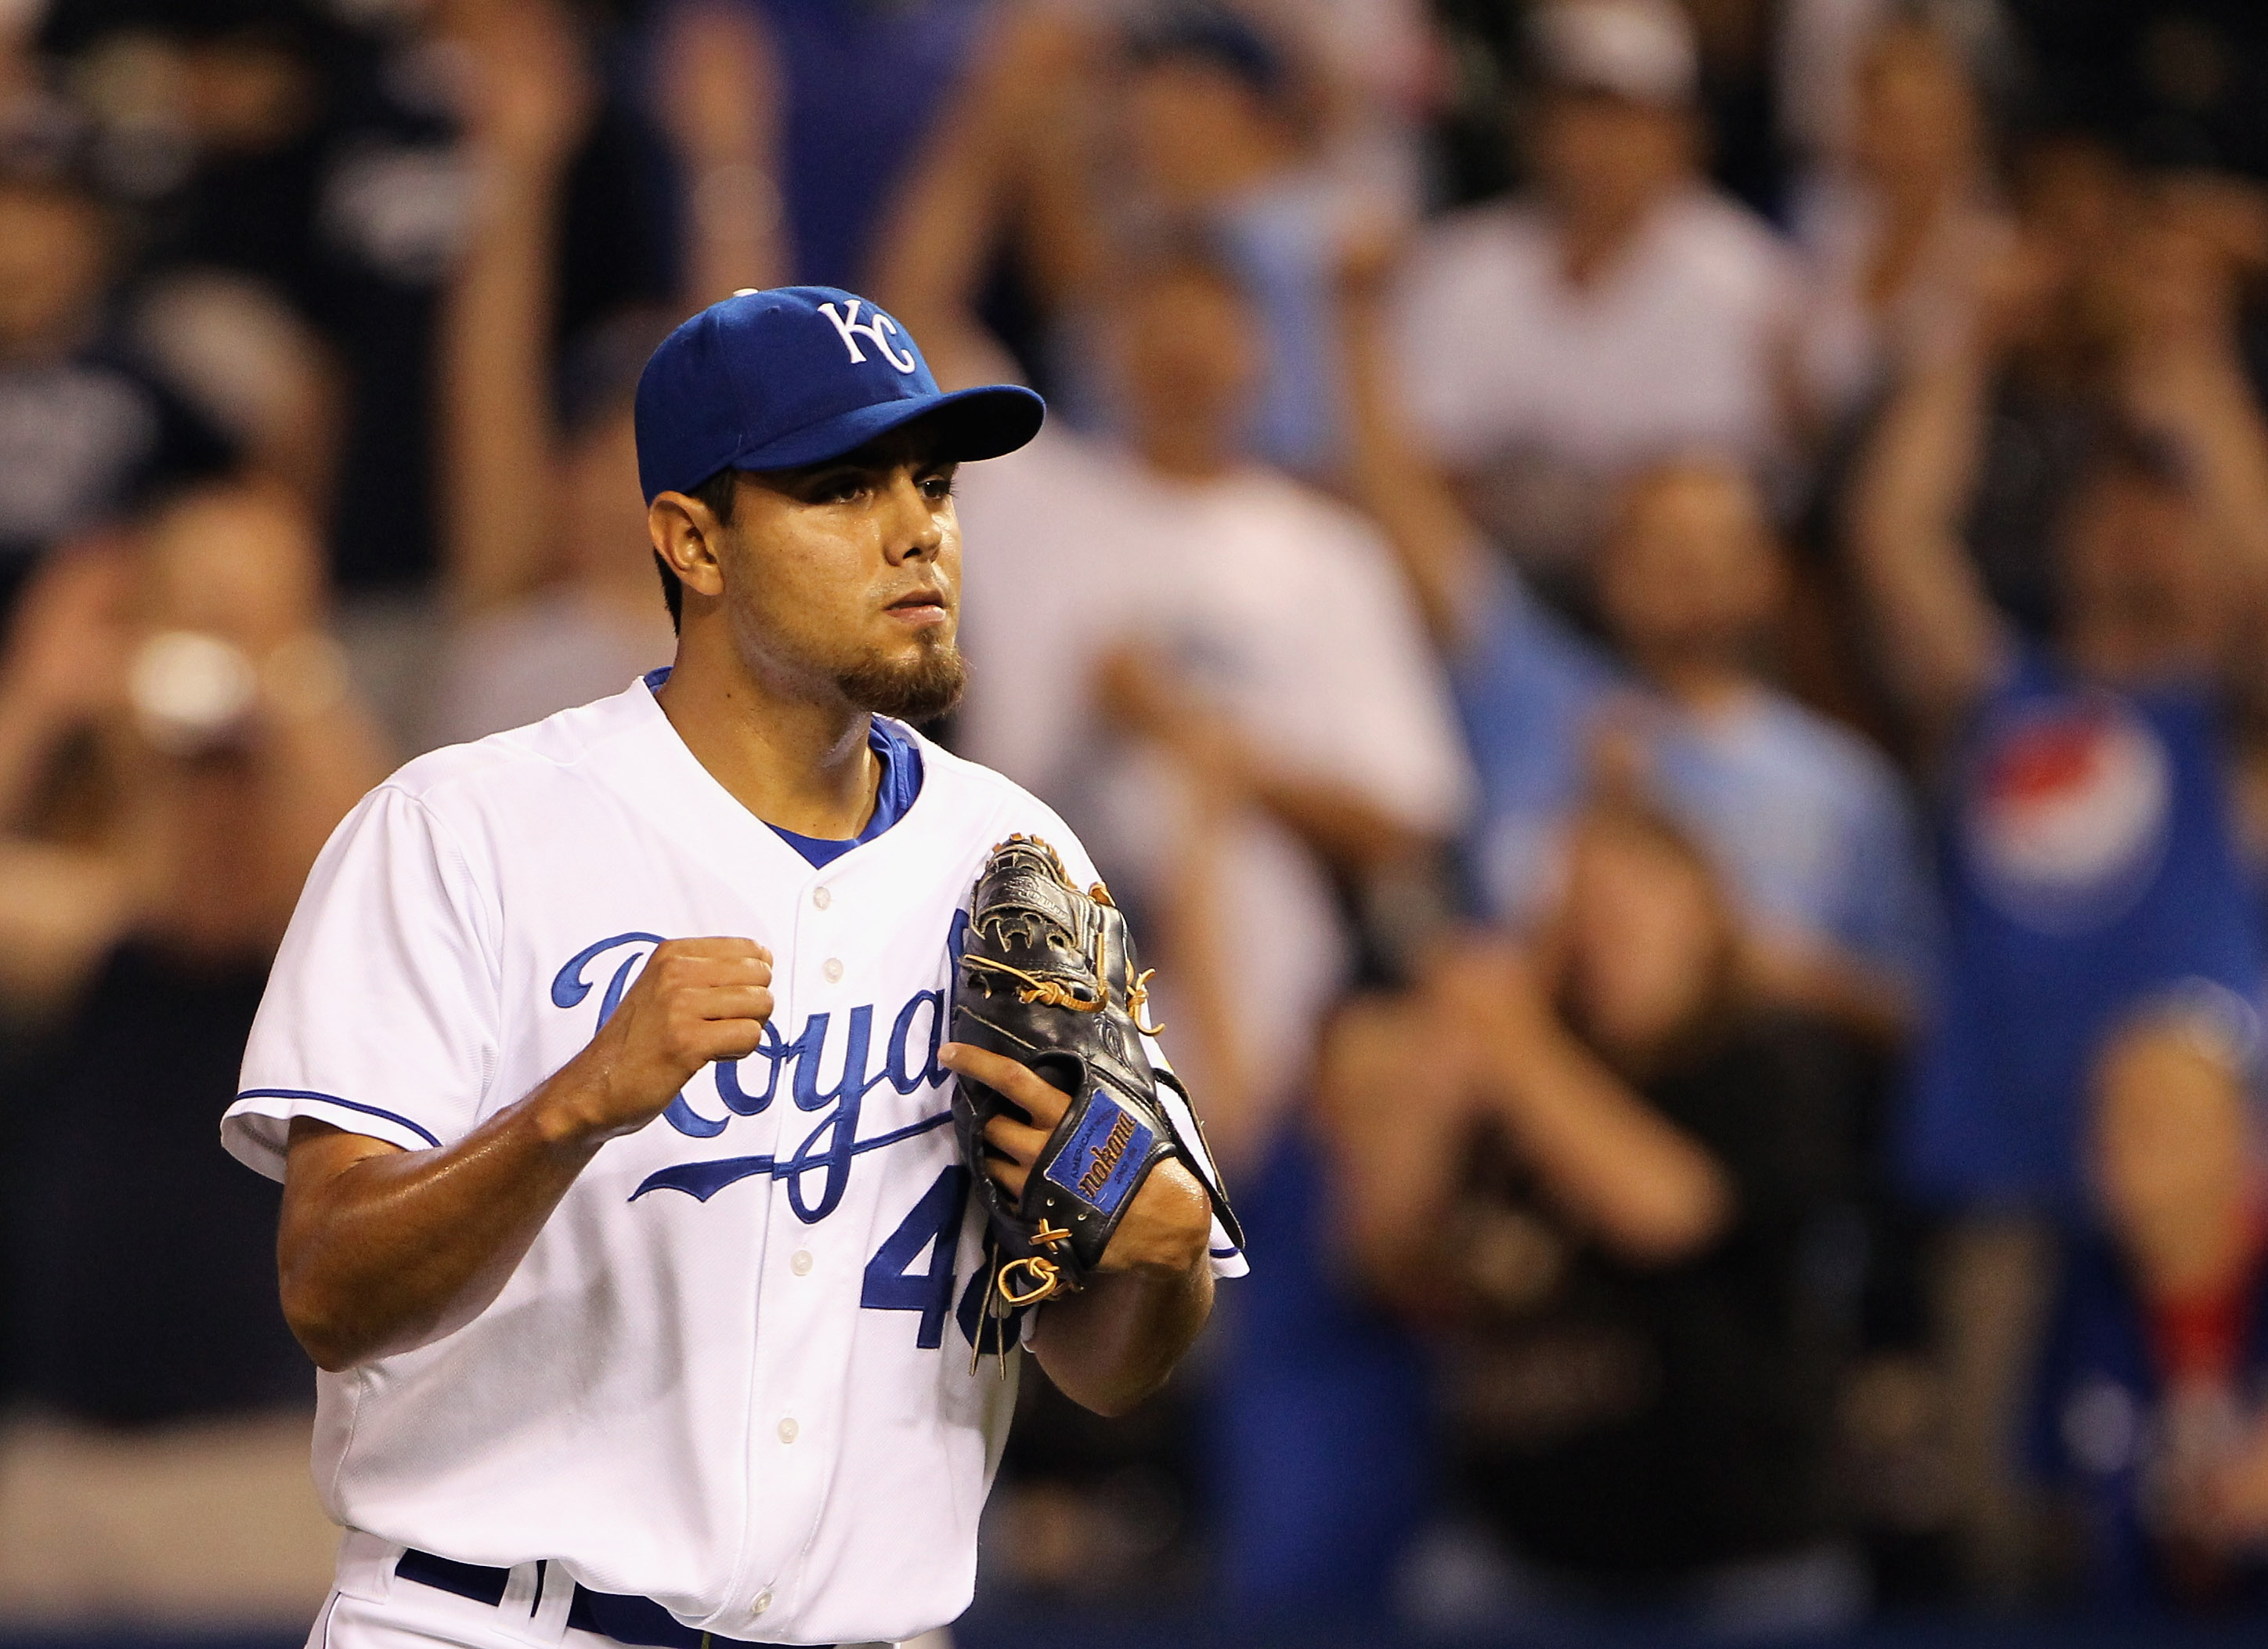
x,y
1659,612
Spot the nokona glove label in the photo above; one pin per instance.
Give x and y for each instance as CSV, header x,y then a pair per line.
x,y
1100,1162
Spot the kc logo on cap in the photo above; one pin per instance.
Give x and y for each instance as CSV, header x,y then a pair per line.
x,y
847,325
787,376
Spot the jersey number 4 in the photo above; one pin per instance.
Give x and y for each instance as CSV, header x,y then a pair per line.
x,y
894,1284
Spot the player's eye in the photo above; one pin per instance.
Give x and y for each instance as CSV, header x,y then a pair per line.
x,y
939,486
841,487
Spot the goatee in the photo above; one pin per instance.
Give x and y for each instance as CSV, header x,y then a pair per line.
x,y
916,691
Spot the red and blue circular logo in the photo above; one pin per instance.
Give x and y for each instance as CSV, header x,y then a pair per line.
x,y
2070,805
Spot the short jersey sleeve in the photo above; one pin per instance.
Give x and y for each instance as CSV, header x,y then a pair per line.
x,y
381,1014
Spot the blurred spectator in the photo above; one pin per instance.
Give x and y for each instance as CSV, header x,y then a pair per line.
x,y
593,617
1806,822
2044,309
1597,1193
349,198
715,89
551,584
1212,131
190,672
2089,852
1377,71
192,119
1085,138
1821,44
1001,184
1897,235
1216,676
2055,317
87,431
2149,1413
1627,312
800,118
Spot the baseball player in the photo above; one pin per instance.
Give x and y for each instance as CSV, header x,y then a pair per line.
x,y
605,1068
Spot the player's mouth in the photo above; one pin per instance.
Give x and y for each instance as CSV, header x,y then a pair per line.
x,y
919,608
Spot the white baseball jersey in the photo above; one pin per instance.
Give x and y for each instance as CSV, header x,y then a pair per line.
x,y
733,1374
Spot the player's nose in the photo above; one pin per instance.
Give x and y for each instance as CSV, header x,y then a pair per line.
x,y
913,526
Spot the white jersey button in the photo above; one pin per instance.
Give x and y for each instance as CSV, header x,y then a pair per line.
x,y
832,969
800,1262
788,1429
821,898
763,1601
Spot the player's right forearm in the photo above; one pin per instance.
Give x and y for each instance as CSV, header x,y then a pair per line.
x,y
383,1250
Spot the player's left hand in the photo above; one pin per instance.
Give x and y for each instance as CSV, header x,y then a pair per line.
x,y
1166,1227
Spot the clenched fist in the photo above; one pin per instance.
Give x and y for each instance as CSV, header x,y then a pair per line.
x,y
698,1000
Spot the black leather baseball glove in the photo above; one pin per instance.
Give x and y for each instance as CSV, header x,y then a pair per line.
x,y
1048,980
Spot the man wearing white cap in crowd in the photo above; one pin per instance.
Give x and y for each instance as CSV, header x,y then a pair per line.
x,y
1621,311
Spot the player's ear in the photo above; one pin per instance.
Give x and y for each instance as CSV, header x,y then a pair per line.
x,y
687,536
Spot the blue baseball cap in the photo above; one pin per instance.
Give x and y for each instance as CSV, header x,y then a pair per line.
x,y
795,375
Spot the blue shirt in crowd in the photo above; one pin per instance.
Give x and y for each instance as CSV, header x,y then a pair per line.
x,y
1806,822
2091,865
